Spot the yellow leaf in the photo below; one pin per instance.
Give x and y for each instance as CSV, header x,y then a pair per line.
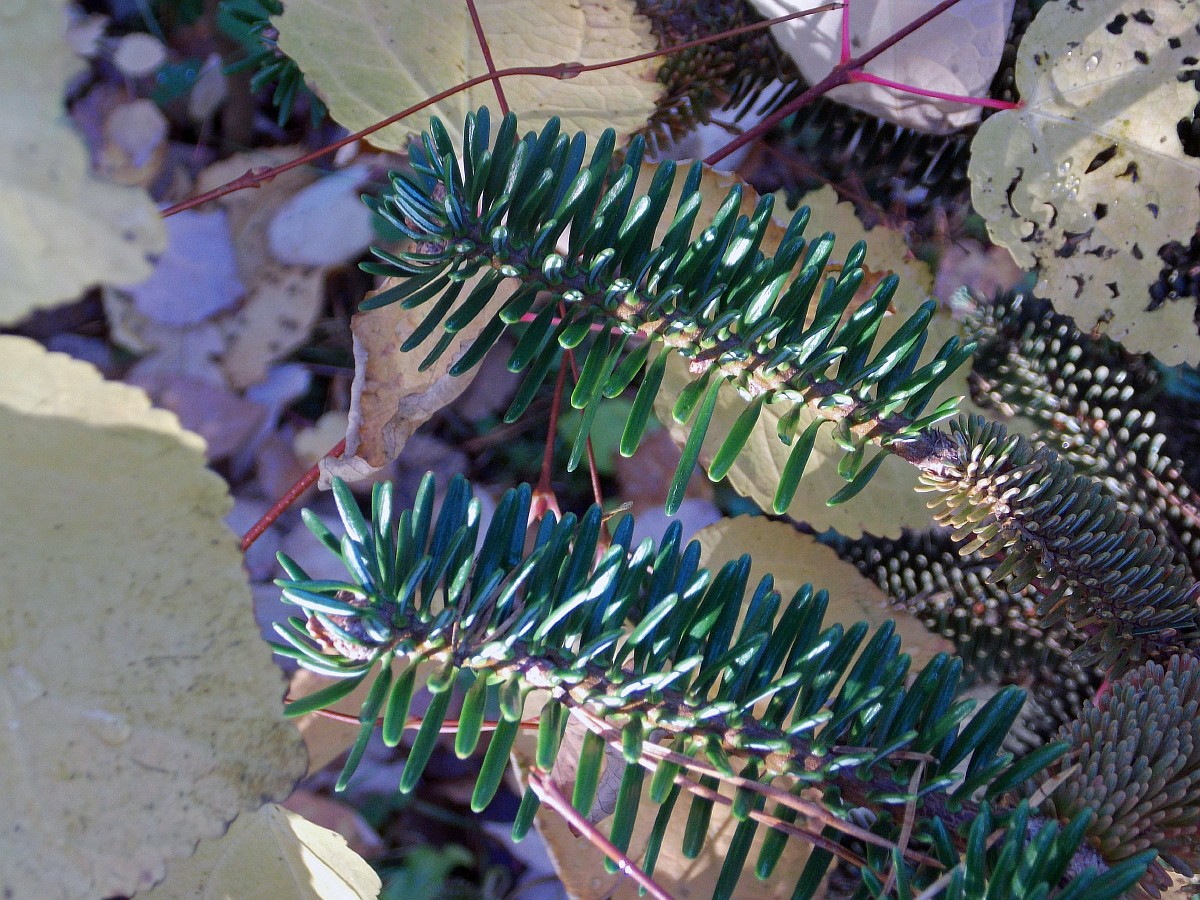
x,y
1089,179
269,854
795,559
580,865
373,58
142,709
889,503
61,229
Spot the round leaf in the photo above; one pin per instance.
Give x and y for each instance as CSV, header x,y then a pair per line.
x,y
391,54
142,709
61,229
1090,179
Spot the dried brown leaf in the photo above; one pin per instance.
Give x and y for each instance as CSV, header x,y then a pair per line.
x,y
391,397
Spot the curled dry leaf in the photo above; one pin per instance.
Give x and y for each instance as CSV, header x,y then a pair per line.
x,y
406,65
120,654
272,853
391,397
1091,179
61,229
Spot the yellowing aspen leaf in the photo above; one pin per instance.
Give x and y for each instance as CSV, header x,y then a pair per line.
x,y
580,865
796,559
889,503
142,710
268,854
61,229
370,59
1090,179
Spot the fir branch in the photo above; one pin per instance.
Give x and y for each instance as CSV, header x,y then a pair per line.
x,y
747,319
642,645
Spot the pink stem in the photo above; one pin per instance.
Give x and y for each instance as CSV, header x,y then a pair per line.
x,y
869,78
487,56
545,788
845,55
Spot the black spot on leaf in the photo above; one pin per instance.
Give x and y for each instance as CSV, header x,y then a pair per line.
x,y
1101,158
1142,56
1117,25
1100,211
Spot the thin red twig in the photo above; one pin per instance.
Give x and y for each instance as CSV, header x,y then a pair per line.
x,y
840,74
548,791
966,99
306,481
544,499
562,71
487,56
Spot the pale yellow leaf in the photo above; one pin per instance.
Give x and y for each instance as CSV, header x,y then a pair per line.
x,y
142,709
1089,179
370,59
714,188
955,53
61,229
795,559
390,398
889,503
269,854
580,865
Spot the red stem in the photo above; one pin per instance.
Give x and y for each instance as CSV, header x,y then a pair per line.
x,y
548,791
839,75
487,56
561,71
306,481
965,99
